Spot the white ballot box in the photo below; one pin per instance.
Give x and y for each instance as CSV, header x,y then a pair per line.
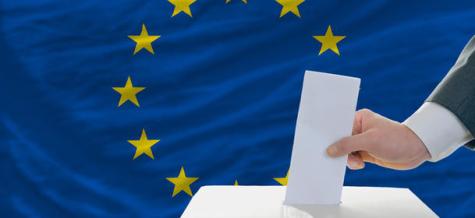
x,y
267,201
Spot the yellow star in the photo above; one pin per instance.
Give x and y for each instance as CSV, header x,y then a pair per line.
x,y
236,183
283,180
182,6
228,1
329,41
143,40
182,183
143,145
290,6
128,93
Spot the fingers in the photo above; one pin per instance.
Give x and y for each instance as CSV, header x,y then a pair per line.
x,y
361,116
357,123
366,157
349,144
355,162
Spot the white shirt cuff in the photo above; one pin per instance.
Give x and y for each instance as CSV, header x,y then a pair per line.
x,y
440,130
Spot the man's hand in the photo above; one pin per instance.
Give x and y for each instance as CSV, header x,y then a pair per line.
x,y
381,141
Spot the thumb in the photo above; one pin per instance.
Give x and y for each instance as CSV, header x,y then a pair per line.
x,y
348,144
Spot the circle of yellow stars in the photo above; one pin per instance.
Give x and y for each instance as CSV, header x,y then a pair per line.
x,y
143,42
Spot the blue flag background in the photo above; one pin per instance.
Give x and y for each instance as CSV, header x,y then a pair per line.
x,y
222,94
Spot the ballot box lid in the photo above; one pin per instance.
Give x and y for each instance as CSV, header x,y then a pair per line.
x,y
268,201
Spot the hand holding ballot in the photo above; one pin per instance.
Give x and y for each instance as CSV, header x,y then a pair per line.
x,y
381,141
445,122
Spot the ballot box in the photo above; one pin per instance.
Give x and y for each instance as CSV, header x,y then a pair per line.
x,y
268,202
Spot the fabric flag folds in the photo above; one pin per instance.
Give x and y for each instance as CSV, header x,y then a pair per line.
x,y
126,108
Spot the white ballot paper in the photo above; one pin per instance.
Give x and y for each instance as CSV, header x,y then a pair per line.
x,y
326,113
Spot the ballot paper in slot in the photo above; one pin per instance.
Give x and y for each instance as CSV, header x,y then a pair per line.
x,y
315,186
326,113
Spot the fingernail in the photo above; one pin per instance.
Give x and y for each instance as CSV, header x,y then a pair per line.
x,y
352,164
357,165
332,150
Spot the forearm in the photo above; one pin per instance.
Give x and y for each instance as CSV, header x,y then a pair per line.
x,y
456,92
447,120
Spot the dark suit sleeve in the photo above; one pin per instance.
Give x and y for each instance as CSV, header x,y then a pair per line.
x,y
456,92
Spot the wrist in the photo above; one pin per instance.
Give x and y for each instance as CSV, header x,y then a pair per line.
x,y
420,151
439,130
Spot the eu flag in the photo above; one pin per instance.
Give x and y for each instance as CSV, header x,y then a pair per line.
x,y
126,108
